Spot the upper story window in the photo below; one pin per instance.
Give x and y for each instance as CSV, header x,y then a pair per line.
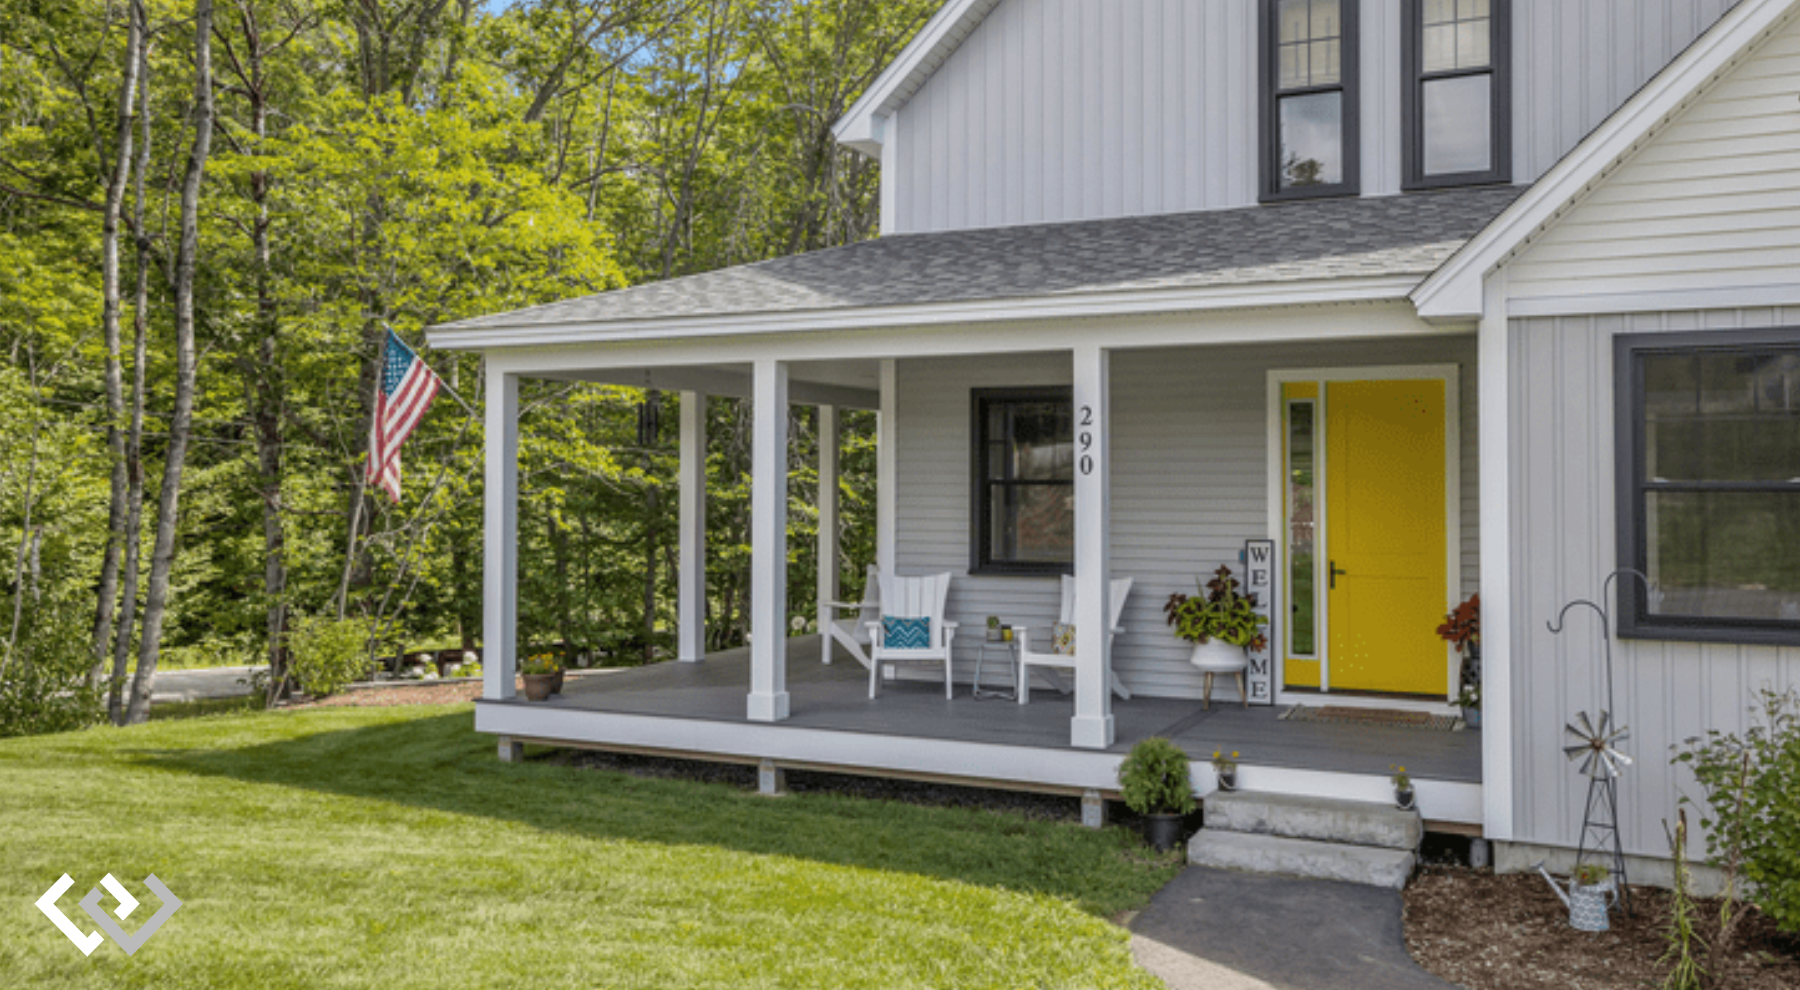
x,y
1455,93
1709,485
1309,104
1024,481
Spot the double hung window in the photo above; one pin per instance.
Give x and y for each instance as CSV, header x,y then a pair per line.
x,y
1309,99
1024,482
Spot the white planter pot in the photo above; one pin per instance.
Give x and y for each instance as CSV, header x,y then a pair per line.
x,y
1215,657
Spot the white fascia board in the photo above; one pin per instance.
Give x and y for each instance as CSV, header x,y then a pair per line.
x,y
1454,290
1089,305
861,126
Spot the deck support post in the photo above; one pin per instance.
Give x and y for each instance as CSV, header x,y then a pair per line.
x,y
500,568
768,701
828,525
887,430
1092,726
690,603
511,750
1093,809
771,780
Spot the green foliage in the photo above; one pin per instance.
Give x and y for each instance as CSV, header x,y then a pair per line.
x,y
1153,779
328,653
1685,970
1221,611
1751,811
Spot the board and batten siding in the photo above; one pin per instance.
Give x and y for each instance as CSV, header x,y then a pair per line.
x,y
1563,516
1189,479
1060,110
1710,203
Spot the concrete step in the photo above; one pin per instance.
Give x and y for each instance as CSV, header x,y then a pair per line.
x,y
1291,816
1257,853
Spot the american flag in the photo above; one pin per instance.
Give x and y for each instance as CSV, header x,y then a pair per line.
x,y
406,389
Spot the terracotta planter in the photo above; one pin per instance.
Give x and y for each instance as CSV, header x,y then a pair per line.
x,y
1163,832
538,687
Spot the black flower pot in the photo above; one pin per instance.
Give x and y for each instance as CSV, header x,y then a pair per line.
x,y
1163,831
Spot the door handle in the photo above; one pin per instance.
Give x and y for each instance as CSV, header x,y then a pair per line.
x,y
1335,571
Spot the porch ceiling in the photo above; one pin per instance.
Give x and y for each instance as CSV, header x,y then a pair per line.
x,y
847,384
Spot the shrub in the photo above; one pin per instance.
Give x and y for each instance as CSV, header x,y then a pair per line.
x,y
1752,807
1154,779
327,654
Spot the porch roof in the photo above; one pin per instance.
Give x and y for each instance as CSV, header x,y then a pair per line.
x,y
1319,241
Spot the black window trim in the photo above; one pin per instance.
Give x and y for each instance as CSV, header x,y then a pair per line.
x,y
1412,82
1349,82
1635,622
980,518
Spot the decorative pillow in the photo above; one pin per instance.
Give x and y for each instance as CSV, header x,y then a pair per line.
x,y
906,634
1062,639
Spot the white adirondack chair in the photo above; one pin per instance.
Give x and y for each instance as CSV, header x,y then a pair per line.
x,y
852,633
1120,589
911,598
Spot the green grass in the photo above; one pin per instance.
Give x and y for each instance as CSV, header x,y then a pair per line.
x,y
389,848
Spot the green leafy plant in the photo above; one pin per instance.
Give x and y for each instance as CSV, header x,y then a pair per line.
x,y
1463,625
1751,810
1591,874
1402,780
1224,764
327,654
540,664
1154,779
1220,611
1685,971
1469,697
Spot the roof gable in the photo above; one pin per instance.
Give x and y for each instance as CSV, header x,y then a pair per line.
x,y
1454,291
863,126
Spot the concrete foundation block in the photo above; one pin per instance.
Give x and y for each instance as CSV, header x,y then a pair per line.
x,y
1093,809
1259,853
771,780
1359,823
511,750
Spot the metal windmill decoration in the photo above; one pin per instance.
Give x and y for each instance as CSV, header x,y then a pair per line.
x,y
1594,742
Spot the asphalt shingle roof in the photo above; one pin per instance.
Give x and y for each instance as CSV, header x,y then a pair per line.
x,y
1321,239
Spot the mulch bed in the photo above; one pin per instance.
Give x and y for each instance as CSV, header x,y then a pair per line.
x,y
1510,932
409,694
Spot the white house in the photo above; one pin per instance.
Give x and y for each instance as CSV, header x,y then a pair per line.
x,y
1439,296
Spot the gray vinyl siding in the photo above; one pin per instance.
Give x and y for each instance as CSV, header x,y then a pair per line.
x,y
1189,478
1563,518
1056,110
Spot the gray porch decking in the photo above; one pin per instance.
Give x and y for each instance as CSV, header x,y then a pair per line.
x,y
836,698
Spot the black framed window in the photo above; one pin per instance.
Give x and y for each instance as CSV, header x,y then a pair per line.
x,y
1309,99
1024,499
1455,93
1709,485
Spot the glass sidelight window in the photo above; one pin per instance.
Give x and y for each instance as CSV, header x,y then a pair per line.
x,y
1302,528
1709,486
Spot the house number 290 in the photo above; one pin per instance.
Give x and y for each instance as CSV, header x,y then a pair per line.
x,y
1087,440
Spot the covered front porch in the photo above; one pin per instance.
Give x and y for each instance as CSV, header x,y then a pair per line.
x,y
697,711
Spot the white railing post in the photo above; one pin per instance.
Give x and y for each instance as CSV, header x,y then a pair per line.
x,y
1092,726
768,700
500,567
690,603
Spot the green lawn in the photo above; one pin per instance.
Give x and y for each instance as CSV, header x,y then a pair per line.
x,y
389,848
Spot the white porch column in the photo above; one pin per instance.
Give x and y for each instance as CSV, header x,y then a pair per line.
x,y
1493,396
690,596
887,428
500,567
768,544
1092,726
828,524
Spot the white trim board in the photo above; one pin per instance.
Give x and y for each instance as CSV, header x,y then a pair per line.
x,y
1454,290
1451,376
1056,769
863,126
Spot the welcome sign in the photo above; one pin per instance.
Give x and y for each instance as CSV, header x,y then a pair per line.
x,y
1259,581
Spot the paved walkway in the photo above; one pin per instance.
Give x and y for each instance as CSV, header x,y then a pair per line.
x,y
1218,930
195,685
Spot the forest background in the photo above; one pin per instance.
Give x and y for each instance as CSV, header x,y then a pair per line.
x,y
212,210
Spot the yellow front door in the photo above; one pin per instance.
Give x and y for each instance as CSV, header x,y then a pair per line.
x,y
1384,533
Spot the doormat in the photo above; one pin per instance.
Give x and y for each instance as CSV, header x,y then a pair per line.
x,y
1386,717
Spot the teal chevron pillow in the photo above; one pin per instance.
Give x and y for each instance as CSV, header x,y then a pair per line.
x,y
906,634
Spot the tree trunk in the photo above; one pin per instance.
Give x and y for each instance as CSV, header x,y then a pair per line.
x,y
162,560
107,595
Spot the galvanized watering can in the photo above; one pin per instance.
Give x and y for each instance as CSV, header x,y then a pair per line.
x,y
1587,903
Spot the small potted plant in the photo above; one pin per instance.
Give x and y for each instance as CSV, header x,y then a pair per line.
x,y
1461,628
1155,783
1221,621
1403,789
1469,700
993,629
540,673
1225,768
